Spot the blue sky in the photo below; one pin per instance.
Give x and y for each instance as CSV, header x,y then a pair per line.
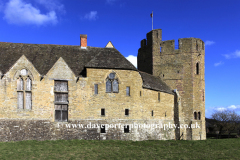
x,y
126,22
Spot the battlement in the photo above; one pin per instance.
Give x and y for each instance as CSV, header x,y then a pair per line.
x,y
154,39
184,45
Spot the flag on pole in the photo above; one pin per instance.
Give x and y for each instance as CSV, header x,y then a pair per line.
x,y
152,19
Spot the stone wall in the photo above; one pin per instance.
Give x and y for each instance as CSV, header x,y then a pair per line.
x,y
177,67
17,130
83,105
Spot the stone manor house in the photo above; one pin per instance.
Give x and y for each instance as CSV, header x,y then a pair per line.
x,y
48,92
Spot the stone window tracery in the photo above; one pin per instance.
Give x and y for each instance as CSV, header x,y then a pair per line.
x,y
24,90
112,84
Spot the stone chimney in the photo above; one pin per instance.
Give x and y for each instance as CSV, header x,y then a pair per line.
x,y
83,41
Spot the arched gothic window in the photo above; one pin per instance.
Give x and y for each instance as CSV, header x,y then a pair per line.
x,y
195,115
20,84
108,86
28,93
199,116
115,86
24,90
20,92
112,83
28,84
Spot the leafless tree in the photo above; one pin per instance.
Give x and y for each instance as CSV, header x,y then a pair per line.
x,y
226,120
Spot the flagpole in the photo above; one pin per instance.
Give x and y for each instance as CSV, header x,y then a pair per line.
x,y
152,20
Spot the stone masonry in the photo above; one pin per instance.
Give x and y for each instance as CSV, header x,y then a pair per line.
x,y
150,101
166,89
182,69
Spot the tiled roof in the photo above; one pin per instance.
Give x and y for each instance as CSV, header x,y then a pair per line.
x,y
110,58
154,83
43,57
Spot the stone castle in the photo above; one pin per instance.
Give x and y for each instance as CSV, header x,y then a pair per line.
x,y
50,92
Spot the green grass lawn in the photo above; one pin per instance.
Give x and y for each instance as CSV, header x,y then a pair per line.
x,y
109,149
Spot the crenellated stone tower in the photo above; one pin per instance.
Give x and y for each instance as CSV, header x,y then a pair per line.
x,y
182,69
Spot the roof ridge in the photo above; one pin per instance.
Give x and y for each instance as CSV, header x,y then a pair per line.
x,y
46,44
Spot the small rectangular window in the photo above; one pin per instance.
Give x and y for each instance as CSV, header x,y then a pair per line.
x,y
152,113
128,91
95,88
140,93
102,112
58,115
126,129
126,112
61,97
65,113
103,130
197,68
158,97
61,86
61,113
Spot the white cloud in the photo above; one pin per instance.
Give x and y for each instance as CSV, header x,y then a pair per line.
x,y
52,5
234,107
210,110
19,12
208,43
91,16
235,54
218,64
132,59
221,109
